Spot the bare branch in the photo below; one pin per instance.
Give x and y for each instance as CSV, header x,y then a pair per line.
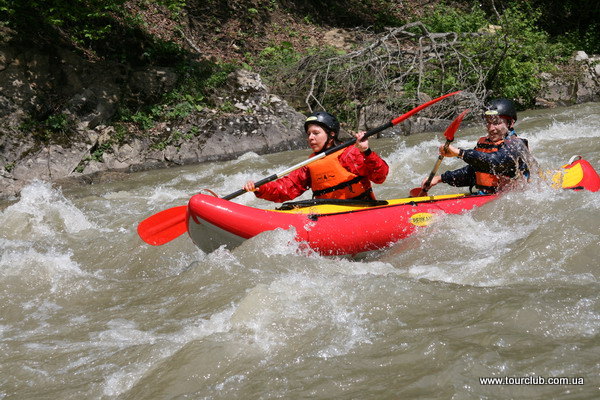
x,y
396,67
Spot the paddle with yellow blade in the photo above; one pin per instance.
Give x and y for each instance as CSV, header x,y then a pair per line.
x,y
449,134
167,225
578,174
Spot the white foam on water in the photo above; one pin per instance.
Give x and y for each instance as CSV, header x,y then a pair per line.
x,y
539,236
554,145
42,211
409,165
579,320
562,316
401,161
278,242
302,309
249,156
123,333
41,311
351,267
477,272
35,267
571,131
233,175
233,379
35,230
219,322
282,242
202,172
120,195
161,195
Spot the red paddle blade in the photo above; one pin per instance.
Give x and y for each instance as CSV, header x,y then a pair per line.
x,y
417,192
164,226
453,127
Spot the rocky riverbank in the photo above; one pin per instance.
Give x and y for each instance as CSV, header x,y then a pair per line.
x,y
255,119
263,123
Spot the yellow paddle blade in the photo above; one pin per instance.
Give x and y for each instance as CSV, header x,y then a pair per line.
x,y
566,178
577,175
572,177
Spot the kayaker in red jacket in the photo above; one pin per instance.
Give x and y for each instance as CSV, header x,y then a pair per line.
x,y
346,174
497,159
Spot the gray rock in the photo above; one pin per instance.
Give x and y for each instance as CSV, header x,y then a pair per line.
x,y
259,121
151,83
580,56
578,82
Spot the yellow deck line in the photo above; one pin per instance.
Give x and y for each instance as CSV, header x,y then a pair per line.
x,y
336,208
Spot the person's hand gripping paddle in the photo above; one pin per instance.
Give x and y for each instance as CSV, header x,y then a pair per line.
x,y
449,134
166,225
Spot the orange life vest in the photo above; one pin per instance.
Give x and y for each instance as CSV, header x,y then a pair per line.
x,y
483,180
330,180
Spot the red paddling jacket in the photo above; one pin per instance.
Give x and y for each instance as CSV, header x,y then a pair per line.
x,y
345,174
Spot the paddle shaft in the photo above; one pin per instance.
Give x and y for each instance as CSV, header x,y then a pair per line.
x,y
341,146
311,160
449,134
166,225
435,168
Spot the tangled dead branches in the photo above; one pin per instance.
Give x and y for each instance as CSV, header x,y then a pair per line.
x,y
399,69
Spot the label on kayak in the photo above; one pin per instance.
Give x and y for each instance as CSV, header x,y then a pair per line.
x,y
421,219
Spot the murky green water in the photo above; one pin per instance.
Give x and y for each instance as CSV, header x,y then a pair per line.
x,y
512,289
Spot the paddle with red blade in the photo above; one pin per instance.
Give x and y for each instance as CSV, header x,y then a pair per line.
x,y
166,225
449,134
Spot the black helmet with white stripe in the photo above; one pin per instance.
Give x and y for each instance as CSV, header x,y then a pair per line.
x,y
325,120
502,108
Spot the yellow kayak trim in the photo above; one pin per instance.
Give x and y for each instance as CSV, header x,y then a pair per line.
x,y
336,208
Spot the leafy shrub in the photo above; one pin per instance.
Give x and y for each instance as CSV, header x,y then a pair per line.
x,y
451,19
528,52
515,53
84,20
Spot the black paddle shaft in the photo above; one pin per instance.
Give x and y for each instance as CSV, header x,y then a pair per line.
x,y
369,133
312,159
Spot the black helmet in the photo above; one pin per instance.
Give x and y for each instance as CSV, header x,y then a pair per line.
x,y
501,107
326,120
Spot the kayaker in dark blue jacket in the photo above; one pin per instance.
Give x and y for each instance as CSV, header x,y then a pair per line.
x,y
497,159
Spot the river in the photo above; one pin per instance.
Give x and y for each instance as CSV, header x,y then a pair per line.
x,y
508,290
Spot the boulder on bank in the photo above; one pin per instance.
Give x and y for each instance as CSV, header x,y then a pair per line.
x,y
255,120
576,82
39,81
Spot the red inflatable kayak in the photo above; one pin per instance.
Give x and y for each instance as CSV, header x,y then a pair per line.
x,y
371,225
212,222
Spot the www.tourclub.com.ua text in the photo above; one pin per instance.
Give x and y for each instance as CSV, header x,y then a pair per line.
x,y
531,380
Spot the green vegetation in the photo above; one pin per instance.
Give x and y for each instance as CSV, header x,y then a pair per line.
x,y
196,81
9,167
574,24
85,21
55,128
451,19
498,52
512,41
520,49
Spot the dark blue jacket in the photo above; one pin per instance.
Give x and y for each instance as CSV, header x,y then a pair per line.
x,y
509,161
